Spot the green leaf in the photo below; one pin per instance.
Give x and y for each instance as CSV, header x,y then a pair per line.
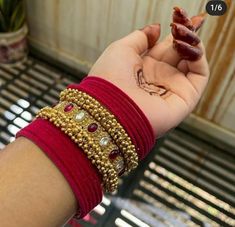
x,y
2,22
6,11
18,17
12,15
9,6
1,3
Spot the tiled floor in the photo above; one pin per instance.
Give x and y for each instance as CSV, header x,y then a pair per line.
x,y
183,182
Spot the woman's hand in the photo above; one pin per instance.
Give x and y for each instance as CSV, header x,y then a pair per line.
x,y
164,85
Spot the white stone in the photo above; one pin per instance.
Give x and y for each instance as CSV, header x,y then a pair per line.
x,y
104,141
120,165
80,116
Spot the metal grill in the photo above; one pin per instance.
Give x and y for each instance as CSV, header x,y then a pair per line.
x,y
184,181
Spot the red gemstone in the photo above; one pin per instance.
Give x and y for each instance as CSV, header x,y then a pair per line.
x,y
68,107
92,127
113,154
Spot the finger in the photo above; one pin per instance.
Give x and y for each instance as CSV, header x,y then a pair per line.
x,y
183,31
199,72
141,40
180,16
200,67
198,21
180,32
165,52
173,54
186,51
183,67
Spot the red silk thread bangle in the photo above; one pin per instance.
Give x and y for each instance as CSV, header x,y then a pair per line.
x,y
81,175
71,161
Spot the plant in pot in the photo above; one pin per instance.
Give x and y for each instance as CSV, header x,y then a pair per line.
x,y
13,32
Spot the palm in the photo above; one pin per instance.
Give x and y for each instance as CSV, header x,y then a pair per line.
x,y
161,68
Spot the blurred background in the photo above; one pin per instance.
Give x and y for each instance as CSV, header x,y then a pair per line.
x,y
189,178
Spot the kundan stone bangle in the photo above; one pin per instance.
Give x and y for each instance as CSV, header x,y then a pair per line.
x,y
93,128
108,121
91,137
97,132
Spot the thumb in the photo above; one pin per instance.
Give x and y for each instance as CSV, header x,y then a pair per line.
x,y
143,39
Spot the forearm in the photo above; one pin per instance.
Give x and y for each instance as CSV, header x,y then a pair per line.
x,y
33,192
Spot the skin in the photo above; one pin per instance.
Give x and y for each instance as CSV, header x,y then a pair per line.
x,y
33,192
161,66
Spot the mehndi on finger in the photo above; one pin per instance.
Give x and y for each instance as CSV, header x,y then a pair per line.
x,y
180,16
186,51
185,39
182,33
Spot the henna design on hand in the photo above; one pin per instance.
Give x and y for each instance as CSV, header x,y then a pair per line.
x,y
150,87
183,30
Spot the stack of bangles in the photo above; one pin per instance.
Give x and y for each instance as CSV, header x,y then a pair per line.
x,y
94,135
94,129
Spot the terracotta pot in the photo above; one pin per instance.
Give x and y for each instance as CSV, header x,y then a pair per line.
x,y
13,46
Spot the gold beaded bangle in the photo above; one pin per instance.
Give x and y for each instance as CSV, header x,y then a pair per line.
x,y
107,120
82,138
99,135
